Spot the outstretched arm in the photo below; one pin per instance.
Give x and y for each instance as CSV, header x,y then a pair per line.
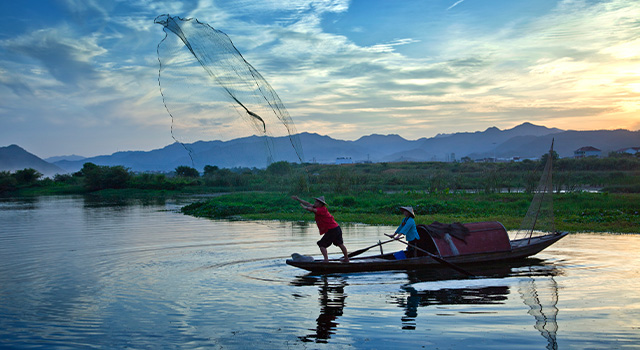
x,y
308,206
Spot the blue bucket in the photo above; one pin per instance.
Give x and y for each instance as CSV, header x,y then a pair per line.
x,y
399,255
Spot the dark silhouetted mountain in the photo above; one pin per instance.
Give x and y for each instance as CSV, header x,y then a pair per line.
x,y
14,158
525,141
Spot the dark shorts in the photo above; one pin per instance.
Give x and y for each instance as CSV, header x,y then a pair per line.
x,y
333,236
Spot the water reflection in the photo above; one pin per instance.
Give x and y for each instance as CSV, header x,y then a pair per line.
x,y
447,296
117,201
536,286
78,276
541,295
22,203
532,278
332,297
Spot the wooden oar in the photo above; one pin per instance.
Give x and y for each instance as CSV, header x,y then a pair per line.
x,y
358,252
437,258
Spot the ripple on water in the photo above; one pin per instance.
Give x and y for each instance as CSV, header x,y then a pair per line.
x,y
77,273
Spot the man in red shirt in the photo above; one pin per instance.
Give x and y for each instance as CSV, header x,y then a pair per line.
x,y
329,228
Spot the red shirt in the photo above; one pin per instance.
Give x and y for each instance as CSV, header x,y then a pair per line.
x,y
324,220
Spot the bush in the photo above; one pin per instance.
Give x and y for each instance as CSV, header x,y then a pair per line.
x,y
186,171
27,176
280,168
347,201
210,170
63,178
7,181
102,177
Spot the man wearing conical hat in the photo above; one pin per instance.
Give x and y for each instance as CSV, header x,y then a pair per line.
x,y
408,229
327,225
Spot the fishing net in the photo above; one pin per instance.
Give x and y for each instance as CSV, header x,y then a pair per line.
x,y
211,91
542,299
539,219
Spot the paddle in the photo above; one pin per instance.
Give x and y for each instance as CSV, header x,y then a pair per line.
x,y
438,259
358,252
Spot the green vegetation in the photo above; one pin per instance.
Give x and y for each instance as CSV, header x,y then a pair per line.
x,y
582,212
370,193
619,174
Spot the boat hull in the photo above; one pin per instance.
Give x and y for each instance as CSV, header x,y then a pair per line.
x,y
520,249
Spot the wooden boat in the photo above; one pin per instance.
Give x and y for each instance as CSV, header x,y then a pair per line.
x,y
461,244
492,233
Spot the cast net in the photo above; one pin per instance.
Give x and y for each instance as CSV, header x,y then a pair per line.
x,y
541,295
539,219
211,92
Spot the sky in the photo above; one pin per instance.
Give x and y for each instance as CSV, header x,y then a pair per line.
x,y
81,76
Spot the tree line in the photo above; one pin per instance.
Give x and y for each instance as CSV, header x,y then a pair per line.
x,y
620,173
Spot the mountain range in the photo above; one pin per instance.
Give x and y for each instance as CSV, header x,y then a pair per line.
x,y
14,158
523,141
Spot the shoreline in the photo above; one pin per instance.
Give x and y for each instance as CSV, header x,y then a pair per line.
x,y
574,212
605,213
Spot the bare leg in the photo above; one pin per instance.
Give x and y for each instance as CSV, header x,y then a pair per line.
x,y
324,253
344,251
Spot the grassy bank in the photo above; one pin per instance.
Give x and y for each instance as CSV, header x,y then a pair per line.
x,y
371,193
575,212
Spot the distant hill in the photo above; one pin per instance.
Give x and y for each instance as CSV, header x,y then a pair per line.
x,y
525,141
14,158
71,157
568,141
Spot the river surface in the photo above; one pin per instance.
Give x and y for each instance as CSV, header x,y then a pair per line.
x,y
81,273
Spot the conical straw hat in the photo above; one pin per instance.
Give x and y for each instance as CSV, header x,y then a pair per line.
x,y
410,210
321,199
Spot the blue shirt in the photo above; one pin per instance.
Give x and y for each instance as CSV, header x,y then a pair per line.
x,y
408,228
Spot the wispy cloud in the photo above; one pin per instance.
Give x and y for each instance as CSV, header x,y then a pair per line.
x,y
67,58
455,4
571,65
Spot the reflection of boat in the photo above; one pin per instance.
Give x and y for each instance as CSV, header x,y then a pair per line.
x,y
468,244
534,281
532,278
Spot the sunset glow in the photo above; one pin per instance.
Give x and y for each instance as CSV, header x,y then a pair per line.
x,y
82,77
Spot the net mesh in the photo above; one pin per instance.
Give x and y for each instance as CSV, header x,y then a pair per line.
x,y
211,91
541,295
539,219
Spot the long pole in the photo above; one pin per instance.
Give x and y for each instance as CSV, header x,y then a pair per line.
x,y
545,189
438,259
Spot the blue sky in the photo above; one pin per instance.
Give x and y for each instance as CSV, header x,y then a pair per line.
x,y
80,77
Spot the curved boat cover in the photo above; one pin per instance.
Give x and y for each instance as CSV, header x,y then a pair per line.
x,y
482,237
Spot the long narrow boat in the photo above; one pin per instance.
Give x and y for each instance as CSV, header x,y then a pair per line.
x,y
492,233
462,244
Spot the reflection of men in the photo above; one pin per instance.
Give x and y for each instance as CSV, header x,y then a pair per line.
x,y
329,228
331,306
411,309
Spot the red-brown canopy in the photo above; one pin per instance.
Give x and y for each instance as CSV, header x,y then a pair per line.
x,y
482,237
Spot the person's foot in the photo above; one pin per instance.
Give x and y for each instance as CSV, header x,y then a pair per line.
x,y
345,259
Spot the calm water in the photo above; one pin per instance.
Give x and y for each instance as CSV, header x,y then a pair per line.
x,y
83,273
